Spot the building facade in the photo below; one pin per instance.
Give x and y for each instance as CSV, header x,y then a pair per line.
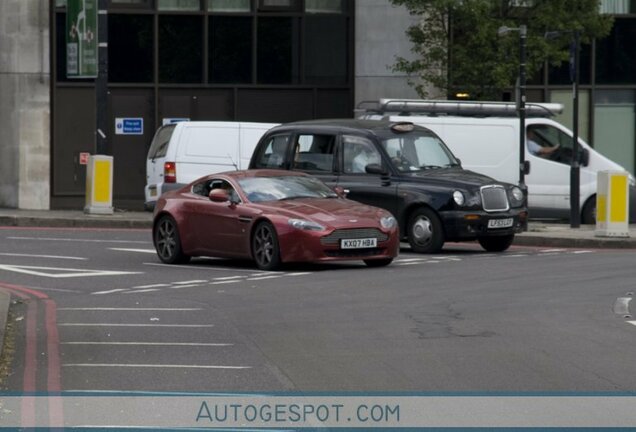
x,y
247,60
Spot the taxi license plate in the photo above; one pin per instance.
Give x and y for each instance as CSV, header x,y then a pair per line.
x,y
358,243
500,223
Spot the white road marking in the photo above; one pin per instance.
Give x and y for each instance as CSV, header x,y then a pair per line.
x,y
189,282
129,309
110,291
551,250
514,256
411,259
151,343
263,278
69,272
45,256
79,240
582,251
230,277
297,274
632,322
190,266
445,257
414,263
153,366
185,286
150,286
225,282
141,291
152,251
133,325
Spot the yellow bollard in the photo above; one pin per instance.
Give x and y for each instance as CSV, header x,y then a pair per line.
x,y
612,204
99,185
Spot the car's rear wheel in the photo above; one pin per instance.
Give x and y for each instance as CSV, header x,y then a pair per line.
x,y
425,231
168,243
378,262
496,243
265,249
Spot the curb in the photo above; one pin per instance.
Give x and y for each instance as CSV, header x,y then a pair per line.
x,y
5,301
593,243
97,222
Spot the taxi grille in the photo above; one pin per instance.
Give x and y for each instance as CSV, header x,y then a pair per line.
x,y
354,233
494,198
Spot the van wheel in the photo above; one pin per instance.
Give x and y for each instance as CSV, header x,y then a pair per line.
x,y
168,243
496,244
588,215
425,232
265,249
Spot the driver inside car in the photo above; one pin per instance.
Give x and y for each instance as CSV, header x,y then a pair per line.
x,y
537,149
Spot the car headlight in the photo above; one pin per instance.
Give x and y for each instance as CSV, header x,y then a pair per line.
x,y
516,195
388,222
458,197
305,225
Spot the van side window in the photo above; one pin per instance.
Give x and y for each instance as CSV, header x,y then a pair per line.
x,y
551,138
159,146
357,153
314,152
273,152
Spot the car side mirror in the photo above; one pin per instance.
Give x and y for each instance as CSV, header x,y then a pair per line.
x,y
375,168
219,195
459,161
584,156
342,193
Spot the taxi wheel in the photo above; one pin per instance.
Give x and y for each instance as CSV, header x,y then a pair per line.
x,y
378,262
168,243
265,248
425,231
496,244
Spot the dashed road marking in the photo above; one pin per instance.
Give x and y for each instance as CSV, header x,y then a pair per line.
x,y
229,278
109,291
79,240
183,286
45,256
190,344
190,282
133,325
263,278
175,366
141,291
225,282
151,286
152,251
61,272
129,309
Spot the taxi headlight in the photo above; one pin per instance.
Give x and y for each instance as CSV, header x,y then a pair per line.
x,y
306,225
388,222
458,197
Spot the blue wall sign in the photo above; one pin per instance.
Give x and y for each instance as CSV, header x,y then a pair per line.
x,y
129,126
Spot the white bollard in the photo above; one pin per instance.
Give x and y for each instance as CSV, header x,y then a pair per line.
x,y
612,204
99,185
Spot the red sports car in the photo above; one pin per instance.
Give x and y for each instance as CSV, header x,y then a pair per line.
x,y
272,217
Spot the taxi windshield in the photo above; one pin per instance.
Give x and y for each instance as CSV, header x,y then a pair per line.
x,y
418,151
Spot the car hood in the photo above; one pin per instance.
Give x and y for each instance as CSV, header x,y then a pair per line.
x,y
458,177
331,211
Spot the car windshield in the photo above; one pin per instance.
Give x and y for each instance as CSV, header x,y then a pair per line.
x,y
418,151
259,189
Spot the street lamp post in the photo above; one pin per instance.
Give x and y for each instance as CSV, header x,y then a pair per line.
x,y
521,103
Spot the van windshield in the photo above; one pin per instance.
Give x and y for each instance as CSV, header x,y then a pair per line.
x,y
418,151
159,145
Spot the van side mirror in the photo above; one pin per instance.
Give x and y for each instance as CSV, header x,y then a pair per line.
x,y
375,168
526,167
219,195
584,156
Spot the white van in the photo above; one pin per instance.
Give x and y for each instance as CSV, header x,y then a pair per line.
x,y
182,152
485,136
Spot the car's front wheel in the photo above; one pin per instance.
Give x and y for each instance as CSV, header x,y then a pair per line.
x,y
168,243
265,249
425,231
496,244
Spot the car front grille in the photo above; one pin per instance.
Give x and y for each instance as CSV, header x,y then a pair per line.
x,y
353,233
354,252
494,198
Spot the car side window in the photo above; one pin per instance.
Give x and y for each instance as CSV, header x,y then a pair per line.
x,y
205,187
273,153
314,152
357,153
550,137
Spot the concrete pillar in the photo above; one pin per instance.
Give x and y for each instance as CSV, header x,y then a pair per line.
x,y
379,37
25,110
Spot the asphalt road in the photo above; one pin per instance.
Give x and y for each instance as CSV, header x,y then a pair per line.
x,y
100,313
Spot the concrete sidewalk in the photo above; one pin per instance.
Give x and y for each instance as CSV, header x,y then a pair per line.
x,y
539,233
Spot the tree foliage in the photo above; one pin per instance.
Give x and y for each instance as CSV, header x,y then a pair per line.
x,y
460,36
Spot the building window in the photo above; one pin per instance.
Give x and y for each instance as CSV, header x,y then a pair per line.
x,y
324,6
615,126
229,5
180,49
561,74
616,54
130,47
278,5
325,49
617,7
230,46
179,5
275,56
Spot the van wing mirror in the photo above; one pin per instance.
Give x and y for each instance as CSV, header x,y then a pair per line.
x,y
584,156
526,167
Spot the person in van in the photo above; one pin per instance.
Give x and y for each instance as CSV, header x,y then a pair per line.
x,y
537,149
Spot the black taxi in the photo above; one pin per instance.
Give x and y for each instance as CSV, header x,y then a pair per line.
x,y
406,169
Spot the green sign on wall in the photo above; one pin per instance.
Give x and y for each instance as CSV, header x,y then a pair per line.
x,y
81,39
